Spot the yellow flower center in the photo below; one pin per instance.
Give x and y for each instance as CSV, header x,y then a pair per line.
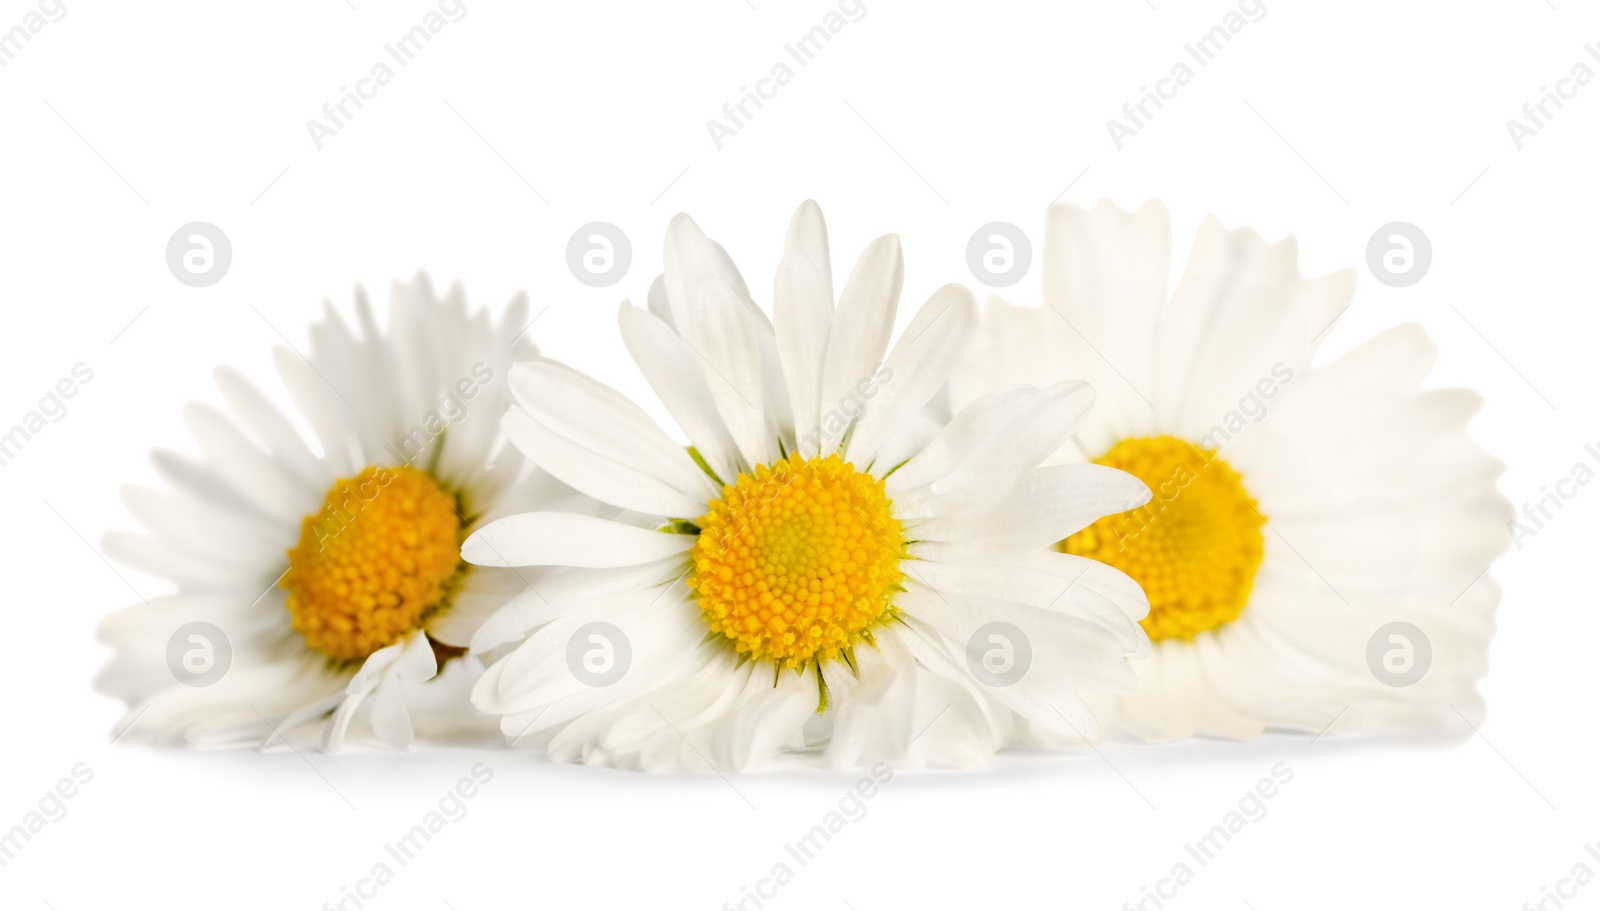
x,y
797,563
379,557
1195,547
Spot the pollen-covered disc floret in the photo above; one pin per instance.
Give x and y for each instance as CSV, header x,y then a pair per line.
x,y
798,562
377,559
1195,547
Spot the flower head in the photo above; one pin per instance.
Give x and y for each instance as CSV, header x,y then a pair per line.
x,y
826,566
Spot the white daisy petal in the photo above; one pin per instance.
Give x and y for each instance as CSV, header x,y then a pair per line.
x,y
571,590
861,327
480,593
304,714
1240,308
416,663
676,374
195,570
958,724
268,423
338,727
1050,504
598,418
629,486
693,261
984,456
770,710
1013,348
919,364
1060,582
660,636
324,408
876,705
225,537
978,422
725,339
1105,280
1067,655
252,473
656,300
660,722
567,539
802,307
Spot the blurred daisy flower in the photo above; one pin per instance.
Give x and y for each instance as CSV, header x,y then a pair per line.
x,y
1316,546
325,581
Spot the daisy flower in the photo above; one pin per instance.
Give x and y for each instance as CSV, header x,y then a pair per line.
x,y
1316,545
327,580
824,568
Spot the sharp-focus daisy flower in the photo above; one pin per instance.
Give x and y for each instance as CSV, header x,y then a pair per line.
x,y
328,579
823,567
1316,544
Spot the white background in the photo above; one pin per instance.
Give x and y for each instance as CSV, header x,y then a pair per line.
x,y
124,121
